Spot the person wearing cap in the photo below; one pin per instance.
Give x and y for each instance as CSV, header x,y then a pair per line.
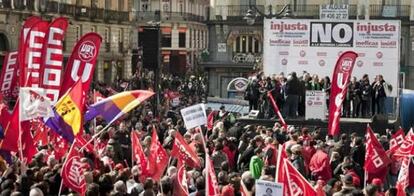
x,y
348,169
377,183
348,187
319,164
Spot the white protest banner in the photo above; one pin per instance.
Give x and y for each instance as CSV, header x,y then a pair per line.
x,y
194,116
315,105
267,188
34,103
314,46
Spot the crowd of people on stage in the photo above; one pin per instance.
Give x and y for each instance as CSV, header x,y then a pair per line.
x,y
364,98
241,154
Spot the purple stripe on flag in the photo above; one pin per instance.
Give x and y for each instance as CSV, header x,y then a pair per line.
x,y
59,126
108,111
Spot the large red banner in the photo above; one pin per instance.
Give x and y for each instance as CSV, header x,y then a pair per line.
x,y
52,58
340,80
81,63
31,61
8,78
28,24
375,156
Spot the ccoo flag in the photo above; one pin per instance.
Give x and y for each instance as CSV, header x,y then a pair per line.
x,y
115,106
68,117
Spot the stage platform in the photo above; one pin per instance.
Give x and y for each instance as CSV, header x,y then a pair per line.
x,y
347,125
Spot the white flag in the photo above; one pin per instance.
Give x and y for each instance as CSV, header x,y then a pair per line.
x,y
34,103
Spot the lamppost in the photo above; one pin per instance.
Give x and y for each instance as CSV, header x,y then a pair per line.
x,y
253,12
157,71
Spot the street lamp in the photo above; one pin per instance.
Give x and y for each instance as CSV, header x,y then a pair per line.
x,y
251,14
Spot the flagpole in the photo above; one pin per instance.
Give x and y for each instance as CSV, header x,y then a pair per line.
x,y
279,155
96,135
365,178
61,182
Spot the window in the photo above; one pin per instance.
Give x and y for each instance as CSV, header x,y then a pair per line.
x,y
145,5
166,40
181,40
93,29
108,4
107,41
121,4
181,7
191,37
246,44
77,32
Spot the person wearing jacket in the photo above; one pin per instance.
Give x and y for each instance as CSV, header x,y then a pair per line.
x,y
319,164
256,164
292,91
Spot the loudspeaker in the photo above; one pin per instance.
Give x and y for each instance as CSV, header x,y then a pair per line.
x,y
150,48
253,114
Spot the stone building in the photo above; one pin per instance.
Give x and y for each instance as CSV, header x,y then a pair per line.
x,y
109,18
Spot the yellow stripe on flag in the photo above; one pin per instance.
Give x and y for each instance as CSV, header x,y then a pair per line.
x,y
70,113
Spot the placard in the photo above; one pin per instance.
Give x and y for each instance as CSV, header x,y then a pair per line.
x,y
194,116
267,188
333,12
315,102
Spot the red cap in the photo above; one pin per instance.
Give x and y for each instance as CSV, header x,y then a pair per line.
x,y
377,182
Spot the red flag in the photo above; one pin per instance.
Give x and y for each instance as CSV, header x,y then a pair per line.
x,y
212,188
139,156
407,146
81,142
28,146
72,171
180,184
396,140
24,35
11,130
403,177
280,174
340,80
81,64
296,184
52,58
8,78
277,111
60,145
40,132
158,159
183,152
375,156
32,61
210,121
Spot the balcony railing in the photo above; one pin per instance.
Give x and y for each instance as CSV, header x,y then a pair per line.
x,y
174,16
232,12
79,12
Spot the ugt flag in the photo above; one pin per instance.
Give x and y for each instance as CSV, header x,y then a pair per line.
x,y
340,80
375,156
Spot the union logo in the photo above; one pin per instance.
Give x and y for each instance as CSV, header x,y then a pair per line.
x,y
87,51
346,64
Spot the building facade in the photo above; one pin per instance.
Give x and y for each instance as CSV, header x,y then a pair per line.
x,y
236,48
184,33
110,18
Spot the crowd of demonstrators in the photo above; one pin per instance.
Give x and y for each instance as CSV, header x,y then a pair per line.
x,y
363,98
240,154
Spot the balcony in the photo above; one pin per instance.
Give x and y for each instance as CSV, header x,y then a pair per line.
x,y
169,16
309,11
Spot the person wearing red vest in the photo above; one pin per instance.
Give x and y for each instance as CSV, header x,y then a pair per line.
x,y
270,152
319,165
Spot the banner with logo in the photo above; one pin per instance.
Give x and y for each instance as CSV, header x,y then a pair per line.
x,y
314,46
8,78
339,87
52,58
28,24
194,116
315,105
32,61
81,63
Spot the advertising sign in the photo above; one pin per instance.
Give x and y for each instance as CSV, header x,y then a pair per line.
x,y
315,105
333,12
315,45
